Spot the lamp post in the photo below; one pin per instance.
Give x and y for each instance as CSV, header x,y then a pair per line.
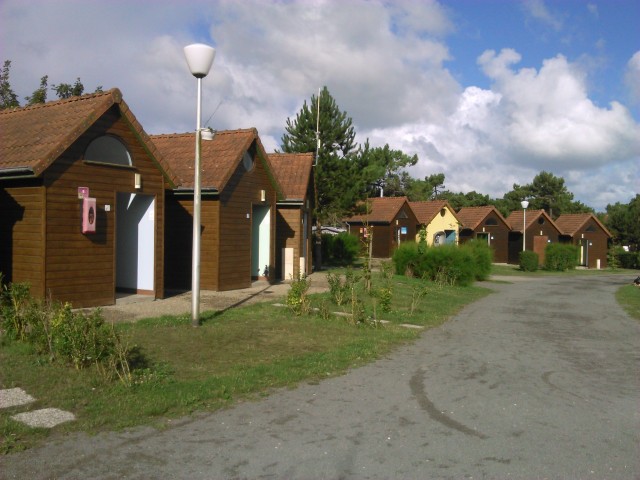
x,y
199,59
524,204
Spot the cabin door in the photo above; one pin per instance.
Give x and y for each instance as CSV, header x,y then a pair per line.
x,y
539,246
484,237
260,241
135,243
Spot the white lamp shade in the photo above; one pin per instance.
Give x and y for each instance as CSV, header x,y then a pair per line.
x,y
524,204
199,58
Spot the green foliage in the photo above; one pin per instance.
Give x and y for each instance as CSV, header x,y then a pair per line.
x,y
624,259
66,90
449,264
623,222
40,94
8,98
337,289
482,258
341,249
383,169
297,297
560,257
528,261
15,309
405,258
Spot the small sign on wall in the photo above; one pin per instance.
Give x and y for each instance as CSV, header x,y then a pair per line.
x,y
89,215
83,192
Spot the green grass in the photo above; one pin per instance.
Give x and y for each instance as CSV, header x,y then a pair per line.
x,y
629,298
240,354
514,270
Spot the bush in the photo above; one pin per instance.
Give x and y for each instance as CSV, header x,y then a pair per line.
x,y
297,297
448,264
629,260
560,257
341,249
482,258
528,261
405,258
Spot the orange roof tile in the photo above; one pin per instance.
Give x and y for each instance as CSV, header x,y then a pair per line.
x,y
293,171
219,157
381,209
515,219
472,217
426,211
34,137
571,223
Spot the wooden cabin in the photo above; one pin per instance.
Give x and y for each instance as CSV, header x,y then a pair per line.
x,y
81,201
390,220
439,220
540,230
294,213
238,210
586,232
486,224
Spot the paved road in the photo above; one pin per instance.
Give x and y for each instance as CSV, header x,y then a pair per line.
x,y
539,380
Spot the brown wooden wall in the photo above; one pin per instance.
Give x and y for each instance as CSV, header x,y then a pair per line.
x,y
598,243
81,268
22,232
237,199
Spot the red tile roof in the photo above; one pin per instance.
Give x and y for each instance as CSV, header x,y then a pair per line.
x,y
515,219
219,157
34,137
571,223
426,211
381,210
293,171
472,217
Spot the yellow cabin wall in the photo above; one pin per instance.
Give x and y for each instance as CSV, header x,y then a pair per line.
x,y
439,224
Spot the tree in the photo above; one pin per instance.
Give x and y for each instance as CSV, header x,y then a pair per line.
x,y
321,127
623,220
546,192
384,169
338,164
8,98
39,95
66,90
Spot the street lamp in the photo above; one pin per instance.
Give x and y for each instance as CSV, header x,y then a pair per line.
x,y
524,204
199,59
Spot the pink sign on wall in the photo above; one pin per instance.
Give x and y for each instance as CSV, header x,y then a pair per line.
x,y
89,214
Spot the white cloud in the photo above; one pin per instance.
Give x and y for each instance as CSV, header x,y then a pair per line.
x,y
385,63
538,10
632,77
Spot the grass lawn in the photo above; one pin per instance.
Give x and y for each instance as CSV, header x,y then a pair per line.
x,y
240,354
514,270
629,297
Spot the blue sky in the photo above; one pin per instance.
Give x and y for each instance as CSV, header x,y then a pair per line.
x,y
488,92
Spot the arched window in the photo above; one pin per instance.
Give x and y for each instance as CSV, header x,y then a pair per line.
x,y
108,149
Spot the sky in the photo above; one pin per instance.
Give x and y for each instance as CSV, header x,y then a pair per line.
x,y
488,92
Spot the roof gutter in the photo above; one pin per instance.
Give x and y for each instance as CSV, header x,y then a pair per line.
x,y
16,172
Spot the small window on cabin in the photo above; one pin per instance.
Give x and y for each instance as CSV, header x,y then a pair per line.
x,y
443,212
403,214
108,149
491,222
247,161
541,221
590,228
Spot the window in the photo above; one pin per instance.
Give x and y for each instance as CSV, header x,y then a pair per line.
x,y
108,149
541,221
491,222
247,161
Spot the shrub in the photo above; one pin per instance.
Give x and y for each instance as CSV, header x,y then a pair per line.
x,y
297,298
346,247
405,258
629,260
560,257
447,263
528,261
482,258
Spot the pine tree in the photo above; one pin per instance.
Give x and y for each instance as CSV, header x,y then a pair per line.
x,y
8,98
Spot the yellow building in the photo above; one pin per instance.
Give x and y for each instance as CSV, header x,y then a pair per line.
x,y
439,219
